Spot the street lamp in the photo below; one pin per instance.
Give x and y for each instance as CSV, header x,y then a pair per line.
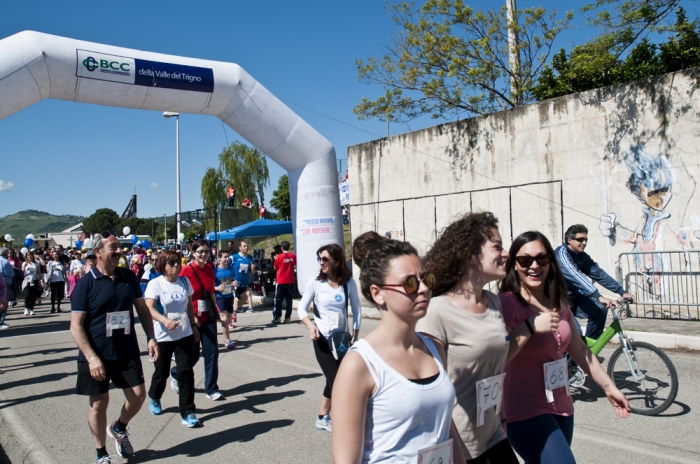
x,y
170,114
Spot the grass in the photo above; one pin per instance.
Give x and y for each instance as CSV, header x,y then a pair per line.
x,y
35,222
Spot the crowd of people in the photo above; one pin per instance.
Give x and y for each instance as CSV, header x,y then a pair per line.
x,y
451,370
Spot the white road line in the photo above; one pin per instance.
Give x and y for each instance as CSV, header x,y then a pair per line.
x,y
29,442
658,456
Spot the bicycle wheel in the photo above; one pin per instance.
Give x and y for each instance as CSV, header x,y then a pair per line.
x,y
656,390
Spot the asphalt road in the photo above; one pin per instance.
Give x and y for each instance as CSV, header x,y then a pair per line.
x,y
272,386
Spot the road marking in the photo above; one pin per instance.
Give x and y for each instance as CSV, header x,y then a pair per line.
x,y
657,455
29,442
289,363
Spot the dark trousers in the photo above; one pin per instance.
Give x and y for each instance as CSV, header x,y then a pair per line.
x,y
210,352
500,453
544,439
593,310
329,365
57,291
283,292
185,375
31,293
231,201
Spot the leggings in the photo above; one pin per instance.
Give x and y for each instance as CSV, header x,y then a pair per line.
x,y
544,439
328,364
57,290
500,453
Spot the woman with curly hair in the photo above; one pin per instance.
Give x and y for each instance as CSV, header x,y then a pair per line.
x,y
539,321
465,320
394,398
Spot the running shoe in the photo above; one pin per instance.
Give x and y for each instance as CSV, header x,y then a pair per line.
x,y
276,320
287,320
31,312
250,310
106,460
216,396
121,441
53,310
232,325
155,407
26,312
324,423
174,385
4,326
191,421
230,344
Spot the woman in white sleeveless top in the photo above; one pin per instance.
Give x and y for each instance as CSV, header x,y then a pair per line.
x,y
394,398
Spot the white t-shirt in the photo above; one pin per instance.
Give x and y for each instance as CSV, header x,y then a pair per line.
x,y
171,301
56,271
330,303
76,264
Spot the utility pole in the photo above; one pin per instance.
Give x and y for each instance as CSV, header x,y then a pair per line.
x,y
514,53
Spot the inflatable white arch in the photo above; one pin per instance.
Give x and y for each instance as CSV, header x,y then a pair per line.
x,y
35,66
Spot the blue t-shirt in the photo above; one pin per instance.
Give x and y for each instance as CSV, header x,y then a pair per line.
x,y
241,268
226,276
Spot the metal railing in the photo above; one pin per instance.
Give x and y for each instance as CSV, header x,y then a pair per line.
x,y
666,284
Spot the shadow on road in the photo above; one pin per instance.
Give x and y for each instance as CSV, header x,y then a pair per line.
x,y
204,445
263,385
33,329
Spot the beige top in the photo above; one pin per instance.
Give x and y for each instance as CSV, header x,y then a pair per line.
x,y
476,347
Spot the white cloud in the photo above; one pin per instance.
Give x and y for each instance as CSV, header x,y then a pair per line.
x,y
154,185
6,186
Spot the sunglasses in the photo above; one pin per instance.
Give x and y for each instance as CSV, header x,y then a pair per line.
x,y
412,283
202,252
580,239
323,259
526,261
173,262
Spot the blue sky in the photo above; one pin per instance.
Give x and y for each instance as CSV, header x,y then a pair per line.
x,y
73,158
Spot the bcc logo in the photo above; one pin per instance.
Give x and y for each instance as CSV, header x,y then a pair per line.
x,y
91,64
338,298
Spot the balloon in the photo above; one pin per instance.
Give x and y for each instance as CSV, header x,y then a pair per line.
x,y
181,236
88,242
78,244
8,237
134,239
146,244
30,236
126,230
24,251
28,242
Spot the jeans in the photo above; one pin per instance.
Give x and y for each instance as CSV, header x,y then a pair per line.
x,y
183,360
2,316
31,293
57,289
210,352
283,292
593,310
544,439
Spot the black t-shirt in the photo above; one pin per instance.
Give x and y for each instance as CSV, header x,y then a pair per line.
x,y
64,259
96,295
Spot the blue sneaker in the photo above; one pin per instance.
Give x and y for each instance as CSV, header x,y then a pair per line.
x,y
155,407
191,421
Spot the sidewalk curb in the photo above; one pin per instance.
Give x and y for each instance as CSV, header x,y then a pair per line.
x,y
662,340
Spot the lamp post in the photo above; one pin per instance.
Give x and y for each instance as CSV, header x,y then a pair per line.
x,y
165,230
170,114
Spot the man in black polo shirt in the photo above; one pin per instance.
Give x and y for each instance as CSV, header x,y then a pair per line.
x,y
102,325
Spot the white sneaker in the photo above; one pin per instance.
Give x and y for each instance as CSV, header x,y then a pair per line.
x,y
174,385
216,396
31,312
250,310
26,312
324,423
4,326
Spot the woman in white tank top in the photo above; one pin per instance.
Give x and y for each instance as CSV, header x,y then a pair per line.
x,y
394,399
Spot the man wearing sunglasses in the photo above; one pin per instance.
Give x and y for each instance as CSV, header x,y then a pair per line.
x,y
578,269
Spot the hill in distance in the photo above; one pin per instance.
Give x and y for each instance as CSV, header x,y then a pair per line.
x,y
35,222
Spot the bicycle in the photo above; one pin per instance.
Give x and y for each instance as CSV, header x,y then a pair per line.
x,y
643,372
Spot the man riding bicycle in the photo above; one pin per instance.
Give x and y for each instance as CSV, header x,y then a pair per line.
x,y
577,267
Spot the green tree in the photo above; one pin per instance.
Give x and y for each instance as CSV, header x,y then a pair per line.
x,y
101,220
449,59
242,167
280,198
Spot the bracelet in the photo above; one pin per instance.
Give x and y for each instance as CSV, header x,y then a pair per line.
x,y
503,421
529,326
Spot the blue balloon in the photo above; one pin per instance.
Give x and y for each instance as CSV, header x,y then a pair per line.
x,y
78,244
146,244
28,242
134,239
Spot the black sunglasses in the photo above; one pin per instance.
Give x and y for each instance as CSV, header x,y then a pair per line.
x,y
324,259
580,239
412,283
526,260
173,262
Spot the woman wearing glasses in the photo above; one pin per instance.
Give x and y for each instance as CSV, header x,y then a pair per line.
x,y
169,298
330,294
200,273
394,398
539,408
466,320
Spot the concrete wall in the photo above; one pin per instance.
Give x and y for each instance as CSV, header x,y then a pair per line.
x,y
546,166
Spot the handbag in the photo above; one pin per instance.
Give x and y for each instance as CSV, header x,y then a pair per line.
x,y
211,311
338,342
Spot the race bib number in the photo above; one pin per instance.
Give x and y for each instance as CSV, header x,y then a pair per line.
x,y
334,322
243,268
227,289
489,393
438,454
118,320
556,375
202,306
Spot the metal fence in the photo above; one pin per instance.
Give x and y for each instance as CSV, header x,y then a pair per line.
x,y
665,283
